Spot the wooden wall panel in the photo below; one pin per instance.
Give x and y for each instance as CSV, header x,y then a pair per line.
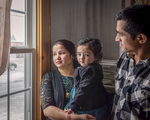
x,y
43,48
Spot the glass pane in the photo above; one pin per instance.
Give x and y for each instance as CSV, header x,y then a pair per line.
x,y
3,108
17,29
18,5
3,83
17,107
19,65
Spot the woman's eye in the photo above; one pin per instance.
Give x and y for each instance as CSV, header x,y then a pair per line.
x,y
79,54
61,53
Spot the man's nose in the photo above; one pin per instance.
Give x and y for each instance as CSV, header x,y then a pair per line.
x,y
117,37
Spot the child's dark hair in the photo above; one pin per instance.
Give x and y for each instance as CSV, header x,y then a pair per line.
x,y
94,45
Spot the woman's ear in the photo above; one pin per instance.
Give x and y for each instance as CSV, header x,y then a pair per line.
x,y
72,57
141,38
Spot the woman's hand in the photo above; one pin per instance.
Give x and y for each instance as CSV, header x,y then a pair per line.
x,y
82,117
69,111
88,117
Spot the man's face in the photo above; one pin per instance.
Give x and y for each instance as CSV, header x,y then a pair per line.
x,y
124,38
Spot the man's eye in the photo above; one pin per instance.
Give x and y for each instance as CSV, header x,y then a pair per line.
x,y
120,34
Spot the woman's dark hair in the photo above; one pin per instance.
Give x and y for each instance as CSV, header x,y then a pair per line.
x,y
137,19
67,44
94,45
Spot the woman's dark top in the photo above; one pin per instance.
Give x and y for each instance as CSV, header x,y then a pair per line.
x,y
53,89
90,93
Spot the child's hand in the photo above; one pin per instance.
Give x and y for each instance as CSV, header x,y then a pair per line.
x,y
69,111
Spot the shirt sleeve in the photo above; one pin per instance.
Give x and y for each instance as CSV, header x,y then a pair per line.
x,y
46,91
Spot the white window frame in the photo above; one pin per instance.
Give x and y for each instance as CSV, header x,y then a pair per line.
x,y
32,115
30,47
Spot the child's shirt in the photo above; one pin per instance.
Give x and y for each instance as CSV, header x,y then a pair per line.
x,y
90,93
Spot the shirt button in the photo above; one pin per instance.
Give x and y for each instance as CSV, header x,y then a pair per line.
x,y
129,81
118,110
80,107
143,93
130,66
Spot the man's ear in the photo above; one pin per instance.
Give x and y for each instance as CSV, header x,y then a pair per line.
x,y
141,38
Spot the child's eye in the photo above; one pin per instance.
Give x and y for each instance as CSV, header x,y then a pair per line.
x,y
87,55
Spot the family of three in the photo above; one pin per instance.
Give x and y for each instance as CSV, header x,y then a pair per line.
x,y
79,89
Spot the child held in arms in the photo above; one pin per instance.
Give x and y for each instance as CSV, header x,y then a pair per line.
x,y
89,95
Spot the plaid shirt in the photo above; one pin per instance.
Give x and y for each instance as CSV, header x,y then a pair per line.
x,y
132,90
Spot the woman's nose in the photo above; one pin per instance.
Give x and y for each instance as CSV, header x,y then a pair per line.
x,y
58,56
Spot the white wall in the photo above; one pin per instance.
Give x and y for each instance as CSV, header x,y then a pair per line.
x,y
76,19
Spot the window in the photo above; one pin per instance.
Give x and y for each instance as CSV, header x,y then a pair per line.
x,y
17,84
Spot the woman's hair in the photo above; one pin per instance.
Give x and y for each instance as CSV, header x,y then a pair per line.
x,y
94,45
67,44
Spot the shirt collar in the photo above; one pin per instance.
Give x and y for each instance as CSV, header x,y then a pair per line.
x,y
144,62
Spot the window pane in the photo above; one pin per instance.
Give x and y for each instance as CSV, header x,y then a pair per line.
x,y
17,29
3,83
17,107
18,5
3,108
18,69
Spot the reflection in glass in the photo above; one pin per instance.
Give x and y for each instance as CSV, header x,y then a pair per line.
x,y
18,5
16,73
3,109
17,106
3,83
17,29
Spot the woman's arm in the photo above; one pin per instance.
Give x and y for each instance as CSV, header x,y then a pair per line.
x,y
55,113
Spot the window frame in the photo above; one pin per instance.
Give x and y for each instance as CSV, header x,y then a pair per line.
x,y
30,47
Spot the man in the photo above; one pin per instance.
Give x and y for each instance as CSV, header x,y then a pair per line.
x,y
132,85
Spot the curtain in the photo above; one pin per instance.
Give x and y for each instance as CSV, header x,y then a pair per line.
x,y
4,34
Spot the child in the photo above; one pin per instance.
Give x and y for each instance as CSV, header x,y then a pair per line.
x,y
89,95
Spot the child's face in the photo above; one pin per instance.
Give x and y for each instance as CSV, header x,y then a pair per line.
x,y
84,55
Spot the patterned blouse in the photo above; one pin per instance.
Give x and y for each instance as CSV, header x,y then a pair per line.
x,y
68,84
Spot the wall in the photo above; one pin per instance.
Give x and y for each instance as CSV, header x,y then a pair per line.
x,y
76,19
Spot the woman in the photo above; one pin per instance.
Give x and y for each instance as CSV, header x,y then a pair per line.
x,y
56,85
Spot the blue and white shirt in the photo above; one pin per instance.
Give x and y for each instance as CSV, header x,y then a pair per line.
x,y
132,89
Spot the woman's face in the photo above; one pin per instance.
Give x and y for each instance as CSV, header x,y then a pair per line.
x,y
61,56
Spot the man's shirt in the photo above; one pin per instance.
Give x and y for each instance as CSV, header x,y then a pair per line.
x,y
132,89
